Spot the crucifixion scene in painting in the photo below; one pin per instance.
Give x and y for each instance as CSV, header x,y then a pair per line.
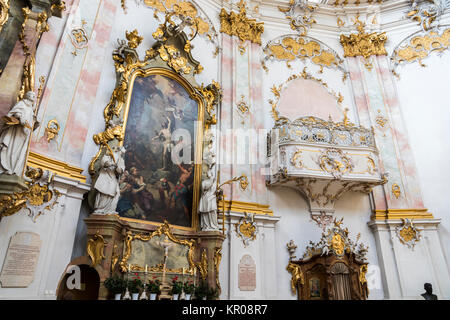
x,y
158,182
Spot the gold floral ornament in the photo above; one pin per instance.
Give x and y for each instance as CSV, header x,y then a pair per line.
x,y
95,248
291,47
38,197
334,161
296,159
163,229
246,228
363,44
408,233
4,12
239,25
134,39
419,46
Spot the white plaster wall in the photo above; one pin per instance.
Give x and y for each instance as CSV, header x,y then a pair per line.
x,y
56,229
425,104
262,250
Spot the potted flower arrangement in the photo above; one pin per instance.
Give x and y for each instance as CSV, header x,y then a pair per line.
x,y
115,285
153,288
177,288
201,291
135,286
189,289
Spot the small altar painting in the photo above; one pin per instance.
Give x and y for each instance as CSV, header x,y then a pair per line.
x,y
314,287
151,253
247,274
21,260
159,140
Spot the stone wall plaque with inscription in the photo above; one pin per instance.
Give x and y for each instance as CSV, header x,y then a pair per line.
x,y
247,274
21,260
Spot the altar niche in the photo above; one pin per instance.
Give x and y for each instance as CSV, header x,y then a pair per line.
x,y
161,179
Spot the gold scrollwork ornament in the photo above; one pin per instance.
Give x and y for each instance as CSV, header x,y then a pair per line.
x,y
163,229
396,190
408,233
95,248
217,260
239,25
52,129
246,228
37,198
202,266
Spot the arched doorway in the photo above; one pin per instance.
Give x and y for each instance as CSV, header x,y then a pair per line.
x,y
89,284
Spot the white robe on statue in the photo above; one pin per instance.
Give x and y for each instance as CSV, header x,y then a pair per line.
x,y
107,184
208,204
14,138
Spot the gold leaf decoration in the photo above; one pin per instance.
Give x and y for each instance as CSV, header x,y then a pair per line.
x,y
362,43
418,47
95,247
239,25
290,47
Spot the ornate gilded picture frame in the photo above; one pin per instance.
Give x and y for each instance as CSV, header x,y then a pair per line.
x,y
153,98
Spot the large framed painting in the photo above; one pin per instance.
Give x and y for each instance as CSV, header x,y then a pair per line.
x,y
163,120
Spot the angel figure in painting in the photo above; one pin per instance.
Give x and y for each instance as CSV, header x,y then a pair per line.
x,y
208,202
15,135
107,184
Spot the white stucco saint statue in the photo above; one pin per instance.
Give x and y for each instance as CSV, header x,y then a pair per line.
x,y
107,185
15,134
208,202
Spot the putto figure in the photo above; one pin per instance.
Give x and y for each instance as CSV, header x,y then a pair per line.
x,y
19,123
107,184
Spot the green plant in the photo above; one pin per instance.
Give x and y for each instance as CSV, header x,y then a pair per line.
x,y
115,284
177,286
189,287
201,290
135,285
153,286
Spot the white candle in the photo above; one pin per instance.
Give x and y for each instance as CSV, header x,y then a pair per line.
x,y
129,267
145,268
